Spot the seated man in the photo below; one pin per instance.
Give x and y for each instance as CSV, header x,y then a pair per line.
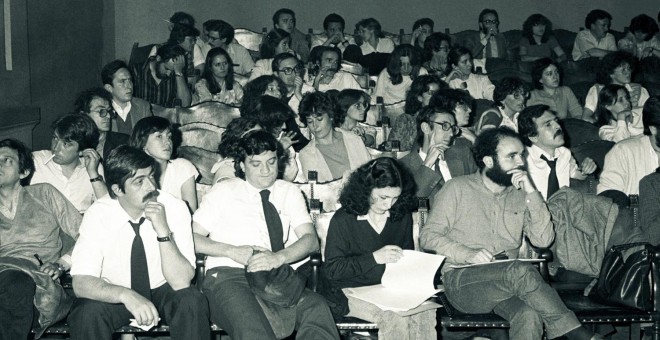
x,y
127,264
439,155
333,33
95,103
489,42
258,223
129,109
329,76
37,227
161,79
595,41
72,165
550,164
285,19
477,216
631,159
218,33
287,67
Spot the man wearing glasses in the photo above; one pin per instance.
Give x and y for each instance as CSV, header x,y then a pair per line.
x,y
439,155
218,33
95,103
288,68
489,43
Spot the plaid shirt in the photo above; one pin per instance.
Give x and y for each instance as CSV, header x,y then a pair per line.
x,y
145,87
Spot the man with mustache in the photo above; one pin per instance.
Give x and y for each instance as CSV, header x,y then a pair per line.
x,y
540,131
135,257
330,77
477,216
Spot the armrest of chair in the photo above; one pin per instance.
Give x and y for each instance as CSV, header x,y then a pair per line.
x,y
547,256
200,270
655,272
315,261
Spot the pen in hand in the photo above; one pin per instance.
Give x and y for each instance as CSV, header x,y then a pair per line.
x,y
36,256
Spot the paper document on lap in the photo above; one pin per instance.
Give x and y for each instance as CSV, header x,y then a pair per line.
x,y
405,285
493,262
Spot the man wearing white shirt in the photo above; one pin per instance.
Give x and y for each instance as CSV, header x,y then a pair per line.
x,y
234,228
135,258
118,81
333,33
330,77
218,33
540,131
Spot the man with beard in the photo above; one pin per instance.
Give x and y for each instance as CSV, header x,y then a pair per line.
x,y
632,159
127,264
551,165
489,42
329,77
476,217
161,79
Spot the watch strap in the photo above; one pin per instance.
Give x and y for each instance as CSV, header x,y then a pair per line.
x,y
167,238
96,179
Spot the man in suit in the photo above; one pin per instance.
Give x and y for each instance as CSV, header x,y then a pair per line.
x,y
439,155
95,103
489,42
118,81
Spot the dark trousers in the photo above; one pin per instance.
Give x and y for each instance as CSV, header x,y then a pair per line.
x,y
186,311
16,305
235,309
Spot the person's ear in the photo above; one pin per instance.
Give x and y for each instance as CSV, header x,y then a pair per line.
x,y
653,130
426,127
117,190
533,139
242,165
24,174
488,161
108,87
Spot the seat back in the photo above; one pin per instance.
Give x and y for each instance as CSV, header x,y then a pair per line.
x,y
139,54
581,89
595,149
566,39
578,132
211,112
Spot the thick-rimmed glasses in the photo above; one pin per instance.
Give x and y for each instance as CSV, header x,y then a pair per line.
x,y
447,126
105,112
289,70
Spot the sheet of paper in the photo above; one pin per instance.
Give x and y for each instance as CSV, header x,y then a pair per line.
x,y
144,328
456,266
391,299
415,270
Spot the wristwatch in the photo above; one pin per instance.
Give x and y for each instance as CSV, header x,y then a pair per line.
x,y
96,179
167,238
61,267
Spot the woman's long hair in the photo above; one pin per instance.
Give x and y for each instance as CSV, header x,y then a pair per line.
x,y
214,87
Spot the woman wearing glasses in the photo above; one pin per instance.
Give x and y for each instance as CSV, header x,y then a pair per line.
x,y
353,106
217,82
510,96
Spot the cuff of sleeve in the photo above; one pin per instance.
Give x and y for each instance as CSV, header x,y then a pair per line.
x,y
66,260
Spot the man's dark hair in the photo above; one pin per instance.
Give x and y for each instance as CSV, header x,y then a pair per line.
x,y
379,173
170,51
214,87
25,160
487,142
607,96
276,16
256,88
372,24
507,86
488,11
447,99
84,100
77,128
182,18
426,115
455,55
528,28
145,127
270,113
275,65
224,29
319,50
595,15
610,62
651,114
315,104
255,143
333,17
122,163
537,71
394,62
180,32
433,43
417,88
645,24
526,124
228,147
270,42
109,70
423,21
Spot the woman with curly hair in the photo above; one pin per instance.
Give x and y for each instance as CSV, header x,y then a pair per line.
x,y
352,109
615,68
537,40
614,117
510,96
403,66
461,76
275,42
546,79
641,40
404,128
372,228
217,82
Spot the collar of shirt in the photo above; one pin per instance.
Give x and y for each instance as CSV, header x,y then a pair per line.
x,y
123,113
10,213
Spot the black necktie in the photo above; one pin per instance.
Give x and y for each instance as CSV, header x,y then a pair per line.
x,y
437,170
273,222
553,181
139,268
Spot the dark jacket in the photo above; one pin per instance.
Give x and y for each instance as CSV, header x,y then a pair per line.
x,y
113,140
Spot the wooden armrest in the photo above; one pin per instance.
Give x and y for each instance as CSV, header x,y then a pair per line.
x,y
315,261
200,270
547,256
655,272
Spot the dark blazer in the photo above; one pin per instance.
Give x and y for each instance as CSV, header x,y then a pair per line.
x,y
113,140
473,43
460,161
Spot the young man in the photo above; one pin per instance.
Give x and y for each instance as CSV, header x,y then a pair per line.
x,y
135,257
95,103
333,33
286,67
477,216
285,19
551,165
117,80
37,228
161,79
330,77
489,42
218,33
595,41
257,223
438,155
72,165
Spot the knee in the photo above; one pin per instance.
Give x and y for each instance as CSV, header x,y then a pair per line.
x,y
191,299
527,316
17,286
524,273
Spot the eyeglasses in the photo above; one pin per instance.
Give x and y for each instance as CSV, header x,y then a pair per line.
x,y
289,70
447,126
430,92
491,22
105,112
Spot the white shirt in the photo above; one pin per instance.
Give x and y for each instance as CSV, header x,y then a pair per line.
x,y
77,188
384,45
178,172
394,93
123,113
104,246
231,213
626,164
479,86
239,55
341,81
591,101
263,67
539,170
442,165
585,41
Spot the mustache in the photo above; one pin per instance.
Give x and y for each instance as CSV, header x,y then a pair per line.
x,y
559,133
149,196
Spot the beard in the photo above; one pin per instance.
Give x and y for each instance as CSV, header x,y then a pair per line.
x,y
499,176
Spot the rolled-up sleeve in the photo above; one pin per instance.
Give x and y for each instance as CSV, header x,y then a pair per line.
x,y
538,226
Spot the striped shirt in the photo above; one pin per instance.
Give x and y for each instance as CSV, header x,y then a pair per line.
x,y
145,87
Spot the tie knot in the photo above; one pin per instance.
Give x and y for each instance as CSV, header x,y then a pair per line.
x,y
264,194
136,226
551,163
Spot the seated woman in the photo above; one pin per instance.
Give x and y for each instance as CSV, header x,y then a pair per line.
x,y
217,82
510,96
352,109
275,42
404,128
461,76
613,114
403,66
641,39
615,68
331,152
374,47
176,176
372,229
459,103
436,51
537,40
546,80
